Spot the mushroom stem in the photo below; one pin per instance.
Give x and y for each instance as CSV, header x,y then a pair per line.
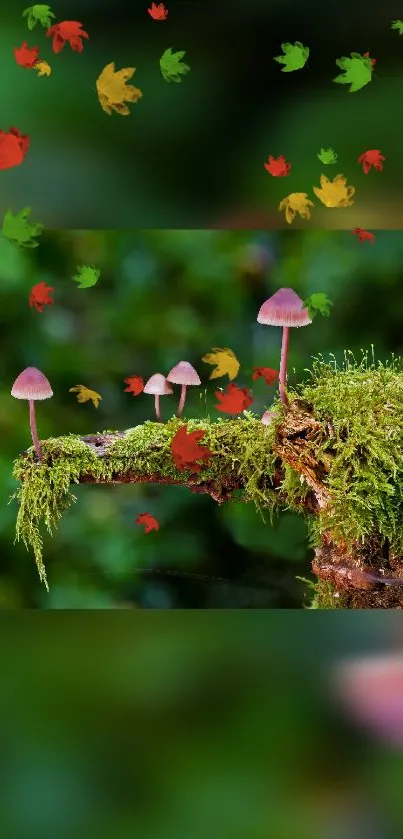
x,y
181,401
157,407
283,366
32,424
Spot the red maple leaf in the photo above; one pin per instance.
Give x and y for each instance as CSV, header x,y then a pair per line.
x,y
158,12
186,450
235,400
278,168
13,147
68,30
372,158
149,521
26,56
267,374
136,385
40,297
362,235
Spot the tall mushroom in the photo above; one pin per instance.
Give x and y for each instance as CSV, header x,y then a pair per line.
x,y
284,308
158,385
183,374
31,384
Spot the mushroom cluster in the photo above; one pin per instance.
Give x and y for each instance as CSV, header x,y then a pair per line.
x,y
182,374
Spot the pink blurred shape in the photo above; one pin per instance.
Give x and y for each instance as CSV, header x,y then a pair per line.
x,y
371,690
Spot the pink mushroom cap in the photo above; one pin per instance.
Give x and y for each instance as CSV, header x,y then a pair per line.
x,y
183,374
158,385
31,384
283,308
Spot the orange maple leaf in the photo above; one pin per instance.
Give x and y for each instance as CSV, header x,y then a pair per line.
x,y
149,521
266,373
40,296
235,399
158,12
186,450
136,385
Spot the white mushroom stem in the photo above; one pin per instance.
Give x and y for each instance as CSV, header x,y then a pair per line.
x,y
157,407
283,366
181,401
34,433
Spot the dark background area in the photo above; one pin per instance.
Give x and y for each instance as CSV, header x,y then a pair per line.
x,y
191,154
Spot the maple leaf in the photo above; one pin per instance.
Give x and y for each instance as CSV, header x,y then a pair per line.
x,y
172,67
278,168
317,303
294,58
84,394
86,276
397,24
149,521
135,385
357,71
40,296
334,193
363,235
26,56
296,202
113,91
68,31
13,147
186,450
269,375
158,12
235,399
371,158
226,361
327,156
19,231
42,68
39,13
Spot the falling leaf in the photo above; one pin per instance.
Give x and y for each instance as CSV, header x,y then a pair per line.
x,y
334,193
42,68
86,276
363,235
373,158
226,361
136,385
149,521
327,156
397,24
357,71
38,13
158,12
68,31
294,58
186,450
269,375
84,394
113,91
19,231
172,67
40,296
13,147
26,56
279,167
317,303
235,399
296,202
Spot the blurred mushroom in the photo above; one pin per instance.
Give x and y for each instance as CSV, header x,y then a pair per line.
x,y
159,386
31,384
183,374
284,308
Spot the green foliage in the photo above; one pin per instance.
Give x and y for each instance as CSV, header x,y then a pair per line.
x,y
318,303
86,276
172,66
357,71
17,229
39,13
294,58
327,156
397,24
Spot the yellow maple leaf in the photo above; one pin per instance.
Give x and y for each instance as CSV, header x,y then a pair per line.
x,y
84,394
226,361
296,202
113,91
334,193
42,68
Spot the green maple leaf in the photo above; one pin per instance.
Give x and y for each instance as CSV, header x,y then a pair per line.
x,y
19,231
87,275
327,156
38,14
294,58
317,303
357,71
397,24
172,67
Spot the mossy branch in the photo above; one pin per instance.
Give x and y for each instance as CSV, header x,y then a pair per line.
x,y
335,455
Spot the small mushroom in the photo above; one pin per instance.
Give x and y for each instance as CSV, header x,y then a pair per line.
x,y
267,417
159,386
31,384
284,308
183,374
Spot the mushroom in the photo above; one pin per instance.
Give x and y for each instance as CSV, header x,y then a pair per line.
x,y
31,384
267,417
284,308
158,385
183,374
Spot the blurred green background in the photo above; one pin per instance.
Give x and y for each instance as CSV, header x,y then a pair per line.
x,y
191,154
164,296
